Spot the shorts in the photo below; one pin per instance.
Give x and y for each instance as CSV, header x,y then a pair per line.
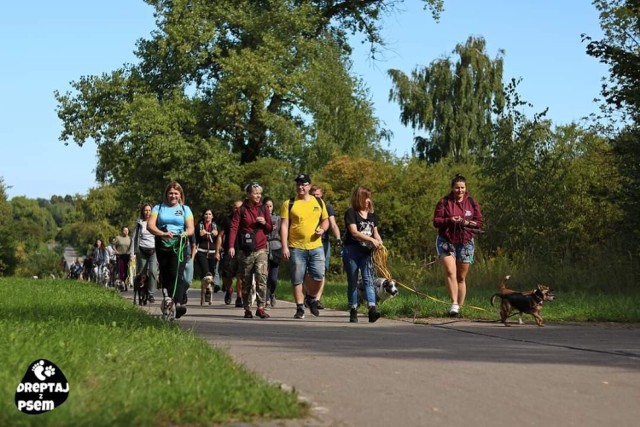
x,y
463,252
230,266
303,261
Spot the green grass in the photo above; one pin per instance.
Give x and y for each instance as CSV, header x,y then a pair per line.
x,y
571,304
123,366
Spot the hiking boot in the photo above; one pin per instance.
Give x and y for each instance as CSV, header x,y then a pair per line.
x,y
180,311
313,308
151,298
239,302
227,297
320,306
261,313
353,315
299,314
216,289
272,301
247,314
373,314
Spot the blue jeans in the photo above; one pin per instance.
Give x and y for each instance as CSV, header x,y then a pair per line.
x,y
355,259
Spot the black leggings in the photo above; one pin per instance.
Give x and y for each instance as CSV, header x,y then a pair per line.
x,y
206,263
169,270
272,277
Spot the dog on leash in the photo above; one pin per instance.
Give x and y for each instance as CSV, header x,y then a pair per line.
x,y
206,289
385,289
529,302
140,289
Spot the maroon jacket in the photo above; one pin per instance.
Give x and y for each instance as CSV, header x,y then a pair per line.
x,y
248,223
447,208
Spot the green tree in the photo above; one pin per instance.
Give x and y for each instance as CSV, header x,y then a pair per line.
x,y
454,103
7,234
229,82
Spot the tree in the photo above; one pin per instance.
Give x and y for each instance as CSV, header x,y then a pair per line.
x,y
228,82
620,49
453,102
7,235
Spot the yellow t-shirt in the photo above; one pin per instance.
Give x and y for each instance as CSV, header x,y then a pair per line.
x,y
306,215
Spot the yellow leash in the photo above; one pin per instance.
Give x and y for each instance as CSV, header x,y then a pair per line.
x,y
379,257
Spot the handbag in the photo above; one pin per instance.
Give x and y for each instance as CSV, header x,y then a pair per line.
x,y
248,241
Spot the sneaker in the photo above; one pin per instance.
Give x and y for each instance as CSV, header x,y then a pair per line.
x,y
180,311
313,307
151,298
299,314
216,289
373,314
272,301
227,297
353,315
239,302
261,313
320,306
454,311
247,314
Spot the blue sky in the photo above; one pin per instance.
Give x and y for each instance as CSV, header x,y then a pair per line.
x,y
45,45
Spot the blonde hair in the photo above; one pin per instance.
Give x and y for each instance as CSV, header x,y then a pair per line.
x,y
359,199
174,185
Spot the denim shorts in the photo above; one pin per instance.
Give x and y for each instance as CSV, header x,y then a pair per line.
x,y
303,261
462,252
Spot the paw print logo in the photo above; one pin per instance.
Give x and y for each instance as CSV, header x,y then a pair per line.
x,y
49,371
42,372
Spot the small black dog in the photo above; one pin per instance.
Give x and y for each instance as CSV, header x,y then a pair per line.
x,y
140,289
523,302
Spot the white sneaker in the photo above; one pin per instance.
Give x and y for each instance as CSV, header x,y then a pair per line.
x,y
454,310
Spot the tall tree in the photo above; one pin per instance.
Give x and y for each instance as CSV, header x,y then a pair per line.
x,y
454,103
228,82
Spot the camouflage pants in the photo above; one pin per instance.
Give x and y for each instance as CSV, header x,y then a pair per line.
x,y
254,265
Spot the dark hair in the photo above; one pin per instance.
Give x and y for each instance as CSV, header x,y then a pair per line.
x,y
458,178
144,205
267,199
204,211
249,187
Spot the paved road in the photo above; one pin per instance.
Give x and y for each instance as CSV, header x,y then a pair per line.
x,y
441,373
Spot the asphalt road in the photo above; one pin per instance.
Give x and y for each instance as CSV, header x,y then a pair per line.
x,y
441,372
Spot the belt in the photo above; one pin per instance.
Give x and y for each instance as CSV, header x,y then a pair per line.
x,y
210,251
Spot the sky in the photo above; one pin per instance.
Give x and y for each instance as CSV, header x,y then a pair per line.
x,y
45,45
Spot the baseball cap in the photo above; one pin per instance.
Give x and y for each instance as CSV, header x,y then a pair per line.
x,y
303,178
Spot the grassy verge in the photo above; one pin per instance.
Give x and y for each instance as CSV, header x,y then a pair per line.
x,y
571,304
123,366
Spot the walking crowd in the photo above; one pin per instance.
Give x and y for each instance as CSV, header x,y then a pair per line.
x,y
250,242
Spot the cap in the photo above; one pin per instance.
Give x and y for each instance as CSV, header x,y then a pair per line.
x,y
303,178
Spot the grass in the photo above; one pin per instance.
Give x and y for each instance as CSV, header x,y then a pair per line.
x,y
124,367
572,303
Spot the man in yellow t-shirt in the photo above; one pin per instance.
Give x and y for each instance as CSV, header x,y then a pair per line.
x,y
304,220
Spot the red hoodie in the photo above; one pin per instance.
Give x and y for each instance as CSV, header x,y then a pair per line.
x,y
248,223
447,208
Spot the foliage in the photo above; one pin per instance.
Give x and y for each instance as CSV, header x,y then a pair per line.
x,y
43,262
32,224
453,102
7,234
549,194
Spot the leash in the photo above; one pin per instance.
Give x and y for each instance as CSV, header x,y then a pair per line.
x,y
379,257
180,244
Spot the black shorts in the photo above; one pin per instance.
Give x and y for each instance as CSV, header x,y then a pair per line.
x,y
230,266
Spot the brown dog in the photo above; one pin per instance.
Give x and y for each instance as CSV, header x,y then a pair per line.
x,y
206,289
529,302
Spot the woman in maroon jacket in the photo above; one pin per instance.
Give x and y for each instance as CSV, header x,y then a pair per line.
x,y
252,224
457,217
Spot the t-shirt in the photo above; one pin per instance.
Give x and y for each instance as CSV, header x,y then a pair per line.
x,y
171,218
363,225
122,244
306,215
